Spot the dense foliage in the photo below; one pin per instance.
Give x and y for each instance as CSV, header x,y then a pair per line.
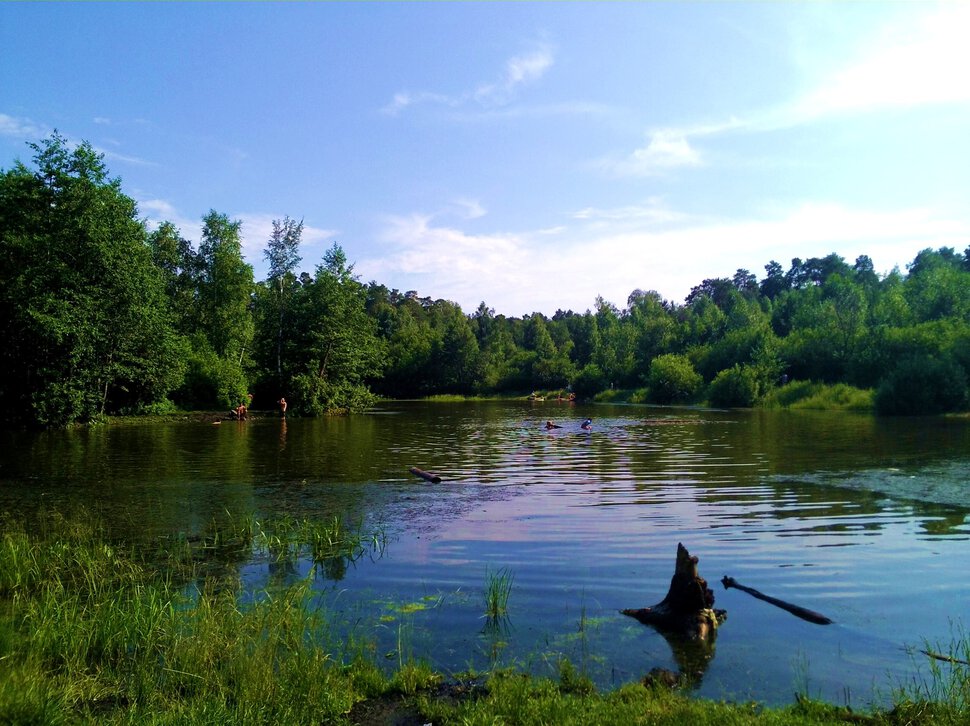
x,y
101,315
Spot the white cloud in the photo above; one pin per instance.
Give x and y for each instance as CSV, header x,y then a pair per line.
x,y
22,128
906,64
519,71
667,149
919,63
156,211
469,208
451,264
653,210
115,156
520,273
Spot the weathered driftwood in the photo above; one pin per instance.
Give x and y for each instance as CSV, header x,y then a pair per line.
x,y
945,658
427,476
688,608
796,610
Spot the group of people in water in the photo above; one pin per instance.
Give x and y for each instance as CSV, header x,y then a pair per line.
x,y
241,412
586,425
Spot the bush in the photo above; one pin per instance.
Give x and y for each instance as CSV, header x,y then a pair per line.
x,y
210,381
819,397
922,385
315,396
590,381
734,387
672,379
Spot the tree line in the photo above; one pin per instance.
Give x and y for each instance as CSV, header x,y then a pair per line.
x,y
101,315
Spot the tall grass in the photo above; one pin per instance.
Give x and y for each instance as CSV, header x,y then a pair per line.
x,y
93,631
941,687
498,586
819,396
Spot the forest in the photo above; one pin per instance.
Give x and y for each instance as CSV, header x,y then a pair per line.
x,y
101,315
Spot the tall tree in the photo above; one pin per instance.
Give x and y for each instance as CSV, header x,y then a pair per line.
x,y
225,295
340,348
83,316
282,254
180,268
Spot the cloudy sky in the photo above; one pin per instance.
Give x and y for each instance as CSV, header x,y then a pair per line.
x,y
529,155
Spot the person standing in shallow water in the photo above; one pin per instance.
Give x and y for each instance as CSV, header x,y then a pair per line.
x,y
282,403
241,412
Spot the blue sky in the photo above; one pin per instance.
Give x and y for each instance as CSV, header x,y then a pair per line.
x,y
528,155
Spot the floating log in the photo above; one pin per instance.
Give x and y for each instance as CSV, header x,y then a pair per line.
x,y
799,612
688,609
427,476
946,658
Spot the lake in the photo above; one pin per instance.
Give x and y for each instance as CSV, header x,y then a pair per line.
x,y
862,519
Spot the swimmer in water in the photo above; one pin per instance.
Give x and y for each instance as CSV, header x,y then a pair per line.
x,y
551,425
587,424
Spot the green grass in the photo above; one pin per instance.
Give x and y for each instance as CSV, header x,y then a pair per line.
x,y
819,396
512,698
93,631
498,587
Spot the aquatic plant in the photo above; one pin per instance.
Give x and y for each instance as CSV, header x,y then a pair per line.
x,y
941,683
498,586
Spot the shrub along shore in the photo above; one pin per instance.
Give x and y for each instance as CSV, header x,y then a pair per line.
x,y
99,631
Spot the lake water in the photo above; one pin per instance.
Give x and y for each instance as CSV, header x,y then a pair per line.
x,y
864,520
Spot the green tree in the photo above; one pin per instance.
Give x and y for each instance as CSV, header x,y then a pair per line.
x,y
937,286
282,254
652,327
180,269
735,387
83,315
922,385
339,348
672,379
454,353
217,366
225,287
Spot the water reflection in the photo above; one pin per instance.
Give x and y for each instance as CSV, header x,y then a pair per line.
x,y
794,502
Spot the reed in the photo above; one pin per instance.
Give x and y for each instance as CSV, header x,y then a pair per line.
x,y
498,586
94,631
940,687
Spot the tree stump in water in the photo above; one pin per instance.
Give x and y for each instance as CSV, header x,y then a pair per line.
x,y
688,608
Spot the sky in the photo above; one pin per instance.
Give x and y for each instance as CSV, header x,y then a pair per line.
x,y
532,156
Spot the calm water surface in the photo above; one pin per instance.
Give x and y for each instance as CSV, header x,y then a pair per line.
x,y
861,519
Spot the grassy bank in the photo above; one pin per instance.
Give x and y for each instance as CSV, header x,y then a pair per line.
x,y
797,395
95,631
808,395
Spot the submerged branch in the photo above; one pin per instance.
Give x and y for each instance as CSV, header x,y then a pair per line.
x,y
796,610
